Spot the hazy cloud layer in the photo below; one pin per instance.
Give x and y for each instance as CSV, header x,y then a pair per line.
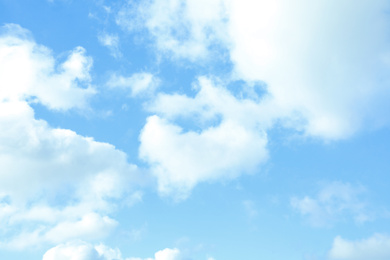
x,y
376,247
334,202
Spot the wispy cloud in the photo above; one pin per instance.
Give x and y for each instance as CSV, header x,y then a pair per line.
x,y
180,29
250,208
138,84
111,41
334,202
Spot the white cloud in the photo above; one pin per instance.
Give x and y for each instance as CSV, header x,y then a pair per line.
x,y
325,77
223,150
29,71
138,84
334,202
376,247
183,29
73,251
322,78
332,71
108,253
168,254
31,151
111,41
79,250
91,226
55,184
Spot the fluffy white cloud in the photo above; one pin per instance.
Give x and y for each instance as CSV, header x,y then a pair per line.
x,y
334,72
29,71
73,251
41,157
91,226
55,184
325,77
80,250
168,254
229,141
334,202
376,247
138,84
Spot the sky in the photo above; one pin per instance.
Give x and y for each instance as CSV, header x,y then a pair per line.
x,y
194,130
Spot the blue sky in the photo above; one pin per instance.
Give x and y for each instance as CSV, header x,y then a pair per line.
x,y
194,130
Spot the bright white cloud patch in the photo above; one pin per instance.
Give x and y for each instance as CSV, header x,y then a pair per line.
x,y
138,84
55,185
29,71
328,77
80,250
334,72
376,247
232,145
72,251
334,202
56,177
168,254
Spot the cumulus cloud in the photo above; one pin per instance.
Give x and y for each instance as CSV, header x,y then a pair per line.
x,y
79,250
227,142
55,184
334,72
376,247
323,78
73,251
41,157
29,71
168,254
326,78
334,202
138,84
91,226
